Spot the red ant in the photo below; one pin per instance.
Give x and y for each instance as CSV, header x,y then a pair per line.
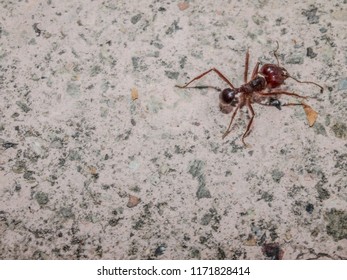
x,y
269,76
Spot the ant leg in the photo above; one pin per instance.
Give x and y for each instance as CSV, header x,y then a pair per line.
x,y
255,70
276,103
306,82
275,53
205,73
273,102
246,66
250,108
231,121
282,92
292,104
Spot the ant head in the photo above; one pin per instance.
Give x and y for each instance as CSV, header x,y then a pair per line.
x,y
227,96
274,75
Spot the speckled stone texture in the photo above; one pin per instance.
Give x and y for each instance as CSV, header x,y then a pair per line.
x,y
91,170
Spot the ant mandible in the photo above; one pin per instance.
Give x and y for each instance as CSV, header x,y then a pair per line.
x,y
270,76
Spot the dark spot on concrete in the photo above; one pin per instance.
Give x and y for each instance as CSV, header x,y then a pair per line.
x,y
237,254
139,224
173,28
135,19
206,219
7,145
38,255
203,239
138,64
17,187
196,167
73,89
342,85
195,253
179,150
258,19
297,208
284,31
183,61
36,29
221,254
66,248
341,161
295,58
340,130
171,75
41,198
167,154
114,221
311,14
95,70
279,21
28,175
277,175
273,232
24,107
315,232
310,53
66,212
323,193
323,29
196,170
99,251
337,224
160,250
202,191
211,218
319,129
158,44
124,136
266,196
145,217
135,60
272,251
309,208
105,187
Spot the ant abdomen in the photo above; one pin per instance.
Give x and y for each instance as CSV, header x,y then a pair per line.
x,y
274,75
227,99
227,96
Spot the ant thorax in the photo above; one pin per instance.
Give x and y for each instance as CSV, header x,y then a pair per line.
x,y
258,83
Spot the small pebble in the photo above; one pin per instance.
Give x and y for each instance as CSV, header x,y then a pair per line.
x,y
160,250
183,5
342,85
133,201
134,94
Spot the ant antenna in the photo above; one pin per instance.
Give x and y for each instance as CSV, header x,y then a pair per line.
x,y
307,82
288,76
201,87
275,53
